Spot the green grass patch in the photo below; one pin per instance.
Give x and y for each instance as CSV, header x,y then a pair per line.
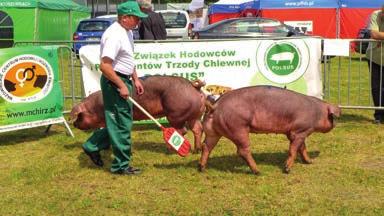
x,y
48,174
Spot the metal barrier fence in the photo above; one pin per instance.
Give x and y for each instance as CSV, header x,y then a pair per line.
x,y
346,80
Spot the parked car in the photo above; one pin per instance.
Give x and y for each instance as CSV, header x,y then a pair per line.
x,y
177,23
90,31
361,46
246,27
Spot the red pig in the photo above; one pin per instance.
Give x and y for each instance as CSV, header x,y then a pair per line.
x,y
266,109
177,98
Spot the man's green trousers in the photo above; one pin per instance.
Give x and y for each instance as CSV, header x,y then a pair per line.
x,y
118,119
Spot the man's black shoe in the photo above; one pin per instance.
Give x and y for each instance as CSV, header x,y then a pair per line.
x,y
128,171
95,157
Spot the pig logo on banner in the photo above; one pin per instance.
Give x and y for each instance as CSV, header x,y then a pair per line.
x,y
283,62
25,78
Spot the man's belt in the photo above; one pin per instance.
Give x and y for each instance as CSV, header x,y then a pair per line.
x,y
123,75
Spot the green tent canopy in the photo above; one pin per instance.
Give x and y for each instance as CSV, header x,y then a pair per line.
x,y
39,20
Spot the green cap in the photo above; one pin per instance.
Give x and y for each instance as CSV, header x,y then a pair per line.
x,y
130,8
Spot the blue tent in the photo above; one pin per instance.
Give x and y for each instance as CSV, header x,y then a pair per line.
x,y
294,4
329,18
231,6
361,4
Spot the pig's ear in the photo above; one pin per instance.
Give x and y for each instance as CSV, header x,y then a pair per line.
x,y
334,110
73,117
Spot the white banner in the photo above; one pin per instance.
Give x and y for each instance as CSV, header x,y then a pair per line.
x,y
292,63
32,124
336,47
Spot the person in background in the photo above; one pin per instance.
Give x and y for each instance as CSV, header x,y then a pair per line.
x,y
152,27
375,56
117,80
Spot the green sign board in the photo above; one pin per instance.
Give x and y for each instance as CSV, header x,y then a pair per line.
x,y
30,94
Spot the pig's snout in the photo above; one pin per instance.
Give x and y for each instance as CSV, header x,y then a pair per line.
x,y
77,121
85,122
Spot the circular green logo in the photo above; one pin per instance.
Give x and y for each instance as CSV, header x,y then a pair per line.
x,y
282,59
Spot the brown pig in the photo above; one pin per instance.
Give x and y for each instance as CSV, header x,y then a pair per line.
x,y
266,109
177,98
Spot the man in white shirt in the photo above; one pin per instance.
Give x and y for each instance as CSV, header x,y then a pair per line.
x,y
117,80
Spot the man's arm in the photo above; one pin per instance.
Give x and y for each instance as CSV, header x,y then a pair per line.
x,y
107,70
137,83
373,26
377,35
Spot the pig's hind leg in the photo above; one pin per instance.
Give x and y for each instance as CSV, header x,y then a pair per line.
x,y
209,143
297,140
197,130
304,154
241,139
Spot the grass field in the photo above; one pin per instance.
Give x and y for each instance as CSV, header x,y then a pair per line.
x,y
48,174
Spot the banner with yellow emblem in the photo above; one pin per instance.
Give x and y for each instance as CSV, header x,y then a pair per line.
x,y
30,94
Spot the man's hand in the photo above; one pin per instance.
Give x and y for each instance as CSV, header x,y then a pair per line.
x,y
124,92
139,87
